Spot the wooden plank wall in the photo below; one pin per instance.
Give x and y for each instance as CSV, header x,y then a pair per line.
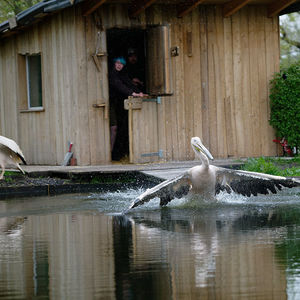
x,y
8,86
221,79
220,84
71,85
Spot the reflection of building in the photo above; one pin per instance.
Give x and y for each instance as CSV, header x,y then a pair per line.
x,y
86,256
60,256
206,261
249,268
12,279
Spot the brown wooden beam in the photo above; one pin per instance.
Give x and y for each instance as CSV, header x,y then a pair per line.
x,y
138,6
187,8
90,6
277,6
233,6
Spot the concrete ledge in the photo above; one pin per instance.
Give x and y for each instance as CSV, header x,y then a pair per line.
x,y
136,180
107,178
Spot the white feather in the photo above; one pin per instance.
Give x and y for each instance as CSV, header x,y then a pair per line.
x,y
10,153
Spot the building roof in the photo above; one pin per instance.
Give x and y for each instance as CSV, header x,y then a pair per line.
x,y
37,12
34,14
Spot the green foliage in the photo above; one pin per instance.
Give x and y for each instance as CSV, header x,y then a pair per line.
x,y
9,8
285,104
283,161
10,176
271,166
260,165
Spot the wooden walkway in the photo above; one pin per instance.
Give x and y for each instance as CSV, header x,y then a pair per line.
x,y
161,170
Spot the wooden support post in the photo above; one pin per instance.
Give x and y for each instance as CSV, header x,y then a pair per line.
x,y
138,6
277,6
131,104
187,7
130,133
91,6
233,6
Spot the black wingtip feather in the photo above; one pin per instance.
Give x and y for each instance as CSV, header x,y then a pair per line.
x,y
256,186
22,158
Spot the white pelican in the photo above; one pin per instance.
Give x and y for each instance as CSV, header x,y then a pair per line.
x,y
208,180
10,153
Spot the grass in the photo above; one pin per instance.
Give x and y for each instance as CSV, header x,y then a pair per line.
x,y
10,176
274,166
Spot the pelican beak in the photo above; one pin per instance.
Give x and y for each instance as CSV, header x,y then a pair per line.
x,y
201,148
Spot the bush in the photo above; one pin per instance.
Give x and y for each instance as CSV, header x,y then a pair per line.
x,y
285,104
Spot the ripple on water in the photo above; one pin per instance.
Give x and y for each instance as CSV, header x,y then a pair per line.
x,y
82,247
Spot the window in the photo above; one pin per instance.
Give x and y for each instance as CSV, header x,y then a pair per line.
x,y
30,93
34,81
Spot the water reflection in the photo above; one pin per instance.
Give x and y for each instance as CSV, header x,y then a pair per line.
x,y
210,256
70,250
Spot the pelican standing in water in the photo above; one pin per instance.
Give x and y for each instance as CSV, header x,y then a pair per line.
x,y
10,153
207,180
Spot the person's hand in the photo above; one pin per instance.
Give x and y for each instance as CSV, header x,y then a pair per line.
x,y
136,81
139,94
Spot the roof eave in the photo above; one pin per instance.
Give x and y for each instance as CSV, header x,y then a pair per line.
x,y
37,11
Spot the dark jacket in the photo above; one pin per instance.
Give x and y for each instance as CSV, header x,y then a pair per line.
x,y
120,86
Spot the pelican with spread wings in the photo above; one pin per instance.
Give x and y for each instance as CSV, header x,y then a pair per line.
x,y
208,180
10,153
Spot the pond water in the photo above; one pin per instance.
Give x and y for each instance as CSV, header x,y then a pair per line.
x,y
82,247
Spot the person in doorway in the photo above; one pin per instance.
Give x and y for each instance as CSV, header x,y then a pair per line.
x,y
120,87
134,69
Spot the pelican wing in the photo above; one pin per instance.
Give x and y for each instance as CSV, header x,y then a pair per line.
x,y
251,183
166,191
11,145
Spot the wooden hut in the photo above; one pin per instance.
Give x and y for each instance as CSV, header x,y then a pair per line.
x,y
207,68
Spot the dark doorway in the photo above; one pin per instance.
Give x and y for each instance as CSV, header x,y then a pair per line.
x,y
121,43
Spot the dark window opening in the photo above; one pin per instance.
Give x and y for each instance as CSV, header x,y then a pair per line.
x,y
34,81
125,43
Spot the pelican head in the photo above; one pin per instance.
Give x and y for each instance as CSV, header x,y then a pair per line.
x,y
199,148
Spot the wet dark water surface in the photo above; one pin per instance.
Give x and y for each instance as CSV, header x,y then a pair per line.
x,y
82,247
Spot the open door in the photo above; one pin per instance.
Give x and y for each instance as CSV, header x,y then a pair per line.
x,y
143,113
98,103
158,61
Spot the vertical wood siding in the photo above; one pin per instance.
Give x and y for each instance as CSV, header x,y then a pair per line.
x,y
220,79
71,85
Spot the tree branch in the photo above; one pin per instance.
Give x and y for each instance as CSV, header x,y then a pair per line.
x,y
287,39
